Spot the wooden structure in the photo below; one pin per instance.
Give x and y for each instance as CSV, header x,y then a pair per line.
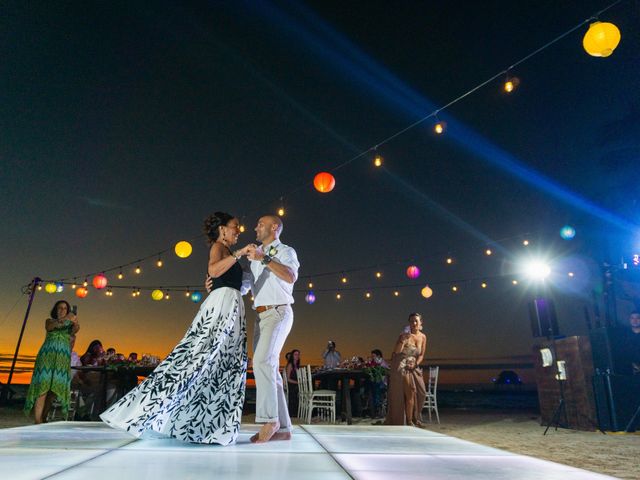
x,y
580,411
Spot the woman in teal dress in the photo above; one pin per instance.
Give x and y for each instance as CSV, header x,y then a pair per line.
x,y
52,372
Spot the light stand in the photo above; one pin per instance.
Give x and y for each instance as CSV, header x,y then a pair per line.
x,y
6,389
561,409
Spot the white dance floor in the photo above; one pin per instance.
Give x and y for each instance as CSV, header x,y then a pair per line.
x,y
82,450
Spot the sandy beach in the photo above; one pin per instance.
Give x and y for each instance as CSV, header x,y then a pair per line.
x,y
514,431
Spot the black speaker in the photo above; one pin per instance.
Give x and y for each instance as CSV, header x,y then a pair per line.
x,y
614,349
617,399
542,314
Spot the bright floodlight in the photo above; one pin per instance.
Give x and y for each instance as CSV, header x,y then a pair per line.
x,y
537,270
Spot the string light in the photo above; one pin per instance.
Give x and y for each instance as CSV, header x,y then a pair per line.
x,y
454,288
73,285
187,293
525,243
242,229
310,284
449,260
367,295
281,209
338,296
39,287
134,294
377,160
439,127
344,280
484,285
378,274
515,282
488,252
120,275
167,296
138,270
396,293
510,84
159,262
571,274
85,283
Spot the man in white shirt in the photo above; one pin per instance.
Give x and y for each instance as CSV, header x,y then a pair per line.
x,y
331,356
274,270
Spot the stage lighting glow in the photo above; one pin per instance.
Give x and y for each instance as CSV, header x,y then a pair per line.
x,y
537,270
567,232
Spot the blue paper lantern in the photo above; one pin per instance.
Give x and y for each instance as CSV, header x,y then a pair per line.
x,y
196,297
59,287
310,297
567,232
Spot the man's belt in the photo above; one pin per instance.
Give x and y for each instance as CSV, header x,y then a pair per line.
x,y
264,308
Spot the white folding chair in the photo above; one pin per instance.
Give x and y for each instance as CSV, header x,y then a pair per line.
x,y
324,401
431,400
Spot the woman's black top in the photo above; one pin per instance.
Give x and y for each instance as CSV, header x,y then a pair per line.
x,y
231,278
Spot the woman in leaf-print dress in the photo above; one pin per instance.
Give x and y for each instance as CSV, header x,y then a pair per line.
x,y
196,394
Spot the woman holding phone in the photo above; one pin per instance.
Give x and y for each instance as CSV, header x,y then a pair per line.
x,y
52,371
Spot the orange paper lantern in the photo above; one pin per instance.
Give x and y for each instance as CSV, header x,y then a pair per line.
x,y
100,281
82,292
324,182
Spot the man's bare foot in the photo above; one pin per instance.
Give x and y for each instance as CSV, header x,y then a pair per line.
x,y
267,431
281,436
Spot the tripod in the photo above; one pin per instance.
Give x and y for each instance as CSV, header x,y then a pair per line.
x,y
561,409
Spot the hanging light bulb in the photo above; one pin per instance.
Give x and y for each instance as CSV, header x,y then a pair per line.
x,y
39,287
167,296
449,260
281,212
159,262
601,39
396,293
187,293
377,160
515,282
439,127
454,288
310,284
120,275
344,280
367,295
133,294
73,285
378,274
338,296
525,243
510,84
85,283
138,270
242,228
488,252
484,285
571,274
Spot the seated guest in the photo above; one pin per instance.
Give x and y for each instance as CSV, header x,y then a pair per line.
x,y
331,356
133,357
407,390
94,356
291,371
376,388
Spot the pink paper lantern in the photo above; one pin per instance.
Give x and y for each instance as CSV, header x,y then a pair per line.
x,y
413,272
100,281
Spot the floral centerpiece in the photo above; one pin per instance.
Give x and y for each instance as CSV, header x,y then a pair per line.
x,y
375,371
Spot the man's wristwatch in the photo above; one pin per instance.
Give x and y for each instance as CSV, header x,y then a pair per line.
x,y
266,260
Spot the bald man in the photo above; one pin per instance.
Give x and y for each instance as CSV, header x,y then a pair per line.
x,y
274,270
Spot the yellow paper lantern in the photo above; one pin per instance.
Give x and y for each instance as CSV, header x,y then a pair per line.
x,y
426,292
157,295
50,288
183,249
601,39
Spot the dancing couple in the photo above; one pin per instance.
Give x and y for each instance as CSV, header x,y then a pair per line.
x,y
196,394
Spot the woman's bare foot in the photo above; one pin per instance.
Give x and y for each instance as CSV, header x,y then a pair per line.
x,y
267,431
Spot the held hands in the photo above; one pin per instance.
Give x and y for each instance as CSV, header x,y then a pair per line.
x,y
245,251
255,253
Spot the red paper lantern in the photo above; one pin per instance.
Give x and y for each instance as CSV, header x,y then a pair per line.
x,y
413,272
324,182
100,281
81,292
